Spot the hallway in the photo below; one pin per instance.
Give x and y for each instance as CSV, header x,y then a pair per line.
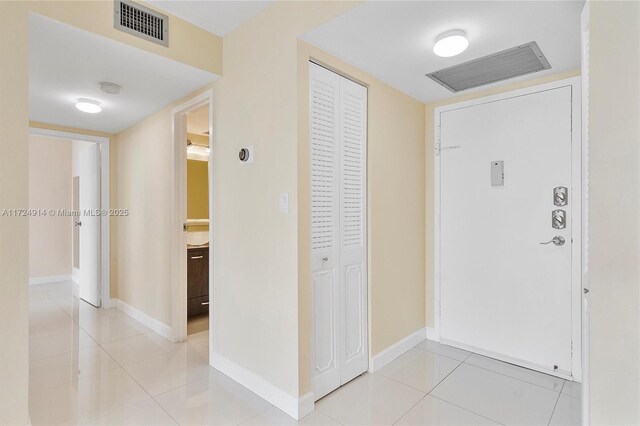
x,y
95,366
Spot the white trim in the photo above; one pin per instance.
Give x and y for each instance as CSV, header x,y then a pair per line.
x,y
179,214
155,325
293,406
432,334
495,355
396,350
105,240
49,279
577,163
75,275
585,20
67,135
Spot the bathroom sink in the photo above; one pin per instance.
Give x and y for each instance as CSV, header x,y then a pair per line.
x,y
198,239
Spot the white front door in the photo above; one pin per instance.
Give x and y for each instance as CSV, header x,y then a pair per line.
x,y
338,229
506,272
89,223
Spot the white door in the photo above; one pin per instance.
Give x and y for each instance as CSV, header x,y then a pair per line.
x,y
89,224
338,229
503,293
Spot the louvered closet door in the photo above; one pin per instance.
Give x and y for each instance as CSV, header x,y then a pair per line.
x,y
325,137
353,271
338,224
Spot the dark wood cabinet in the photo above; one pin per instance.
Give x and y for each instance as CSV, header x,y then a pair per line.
x,y
197,281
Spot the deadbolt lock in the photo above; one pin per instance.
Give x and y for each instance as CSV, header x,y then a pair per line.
x,y
558,219
560,196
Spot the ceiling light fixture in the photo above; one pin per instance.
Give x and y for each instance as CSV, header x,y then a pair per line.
x,y
88,105
451,43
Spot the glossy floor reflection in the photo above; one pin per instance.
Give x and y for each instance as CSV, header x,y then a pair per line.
x,y
97,366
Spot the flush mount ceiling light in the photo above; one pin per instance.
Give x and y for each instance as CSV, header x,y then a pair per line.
x,y
88,105
451,43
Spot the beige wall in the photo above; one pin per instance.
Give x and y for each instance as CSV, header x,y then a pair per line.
x,y
256,246
49,188
141,242
396,209
615,212
14,190
429,167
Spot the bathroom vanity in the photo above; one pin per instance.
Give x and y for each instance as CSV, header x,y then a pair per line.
x,y
197,281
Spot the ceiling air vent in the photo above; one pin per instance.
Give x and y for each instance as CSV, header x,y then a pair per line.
x,y
510,63
142,22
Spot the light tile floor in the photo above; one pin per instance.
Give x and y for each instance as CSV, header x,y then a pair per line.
x,y
97,366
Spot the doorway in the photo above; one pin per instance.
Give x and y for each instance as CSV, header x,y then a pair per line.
x,y
192,237
86,214
508,227
198,242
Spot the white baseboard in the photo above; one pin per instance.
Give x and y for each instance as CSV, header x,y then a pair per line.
x,y
155,325
294,407
432,334
49,279
395,350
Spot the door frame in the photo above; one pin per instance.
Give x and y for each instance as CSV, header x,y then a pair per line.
x,y
585,20
179,213
105,243
578,202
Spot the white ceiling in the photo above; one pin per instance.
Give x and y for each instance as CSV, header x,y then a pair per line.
x,y
393,40
218,17
67,63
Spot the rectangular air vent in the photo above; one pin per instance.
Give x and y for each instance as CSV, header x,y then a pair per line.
x,y
510,63
141,21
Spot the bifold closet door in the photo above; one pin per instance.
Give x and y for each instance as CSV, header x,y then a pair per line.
x,y
338,229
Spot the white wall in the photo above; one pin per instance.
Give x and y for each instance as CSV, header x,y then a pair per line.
x,y
49,188
615,212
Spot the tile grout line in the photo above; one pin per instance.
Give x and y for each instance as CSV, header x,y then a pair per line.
x,y
556,404
449,402
466,409
255,415
437,353
516,378
410,408
322,412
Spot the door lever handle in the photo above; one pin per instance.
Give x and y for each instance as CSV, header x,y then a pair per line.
x,y
557,240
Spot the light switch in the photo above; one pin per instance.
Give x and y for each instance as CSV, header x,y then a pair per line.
x,y
284,202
